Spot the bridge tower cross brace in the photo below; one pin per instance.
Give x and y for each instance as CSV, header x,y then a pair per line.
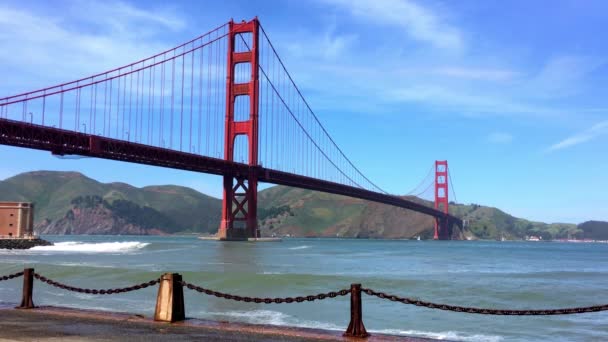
x,y
239,204
441,200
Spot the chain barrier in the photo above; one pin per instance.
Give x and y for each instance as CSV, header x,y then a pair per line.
x,y
321,296
299,299
95,291
564,311
11,276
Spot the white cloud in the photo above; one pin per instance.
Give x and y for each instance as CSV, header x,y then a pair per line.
x,y
477,73
468,101
328,46
563,75
478,83
121,16
500,138
593,132
42,46
419,22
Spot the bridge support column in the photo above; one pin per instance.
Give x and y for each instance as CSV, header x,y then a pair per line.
x,y
443,229
239,205
441,200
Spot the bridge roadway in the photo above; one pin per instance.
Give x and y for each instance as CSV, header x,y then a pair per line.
x,y
65,142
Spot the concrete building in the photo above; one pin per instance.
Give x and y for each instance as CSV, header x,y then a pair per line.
x,y
16,220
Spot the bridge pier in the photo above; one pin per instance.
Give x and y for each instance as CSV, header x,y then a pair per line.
x,y
239,205
239,209
442,231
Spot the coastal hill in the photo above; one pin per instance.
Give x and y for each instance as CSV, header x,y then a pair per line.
x,y
71,203
301,212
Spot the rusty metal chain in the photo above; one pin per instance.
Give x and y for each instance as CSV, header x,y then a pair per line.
x,y
246,299
11,276
96,291
472,310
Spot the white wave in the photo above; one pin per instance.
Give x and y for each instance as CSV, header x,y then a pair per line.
x,y
87,264
282,319
256,316
444,335
270,317
101,247
299,247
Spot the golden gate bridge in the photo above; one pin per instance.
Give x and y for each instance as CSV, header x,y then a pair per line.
x,y
222,103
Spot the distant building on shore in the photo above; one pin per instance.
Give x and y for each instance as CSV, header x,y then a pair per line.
x,y
16,220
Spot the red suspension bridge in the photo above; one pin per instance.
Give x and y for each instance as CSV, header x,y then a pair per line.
x,y
222,103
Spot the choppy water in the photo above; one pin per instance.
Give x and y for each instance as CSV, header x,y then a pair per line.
x,y
514,275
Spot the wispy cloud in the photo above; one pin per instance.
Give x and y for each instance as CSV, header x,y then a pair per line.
x,y
327,46
466,100
122,15
75,44
472,82
417,21
477,73
500,138
563,75
581,137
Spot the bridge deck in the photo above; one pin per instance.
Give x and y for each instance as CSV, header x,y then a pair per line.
x,y
64,142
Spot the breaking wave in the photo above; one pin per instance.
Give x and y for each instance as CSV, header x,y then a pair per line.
x,y
299,247
102,247
444,335
279,318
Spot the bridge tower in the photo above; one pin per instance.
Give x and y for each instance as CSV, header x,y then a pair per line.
x,y
441,199
239,205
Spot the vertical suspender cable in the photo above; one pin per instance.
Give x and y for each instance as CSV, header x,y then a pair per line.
x,y
172,100
191,97
110,110
181,113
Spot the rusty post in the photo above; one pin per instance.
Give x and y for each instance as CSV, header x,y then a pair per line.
x,y
28,287
170,299
356,327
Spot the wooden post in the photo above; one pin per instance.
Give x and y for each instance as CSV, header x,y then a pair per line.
x,y
356,327
170,299
28,287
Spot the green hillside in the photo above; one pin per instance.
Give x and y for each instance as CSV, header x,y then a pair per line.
x,y
492,223
53,193
308,213
594,230
71,203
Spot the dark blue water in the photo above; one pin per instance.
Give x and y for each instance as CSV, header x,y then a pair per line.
x,y
513,275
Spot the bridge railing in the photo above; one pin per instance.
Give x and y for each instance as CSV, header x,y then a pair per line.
x,y
170,299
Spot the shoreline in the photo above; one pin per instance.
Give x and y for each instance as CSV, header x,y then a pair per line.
x,y
282,238
92,325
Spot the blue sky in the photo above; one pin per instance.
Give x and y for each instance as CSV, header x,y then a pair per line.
x,y
512,94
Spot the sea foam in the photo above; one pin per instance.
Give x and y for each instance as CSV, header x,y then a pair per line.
x,y
299,247
282,319
101,247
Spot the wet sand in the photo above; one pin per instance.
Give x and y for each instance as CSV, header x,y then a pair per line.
x,y
65,324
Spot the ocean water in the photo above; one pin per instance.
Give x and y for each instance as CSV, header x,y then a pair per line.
x,y
513,275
